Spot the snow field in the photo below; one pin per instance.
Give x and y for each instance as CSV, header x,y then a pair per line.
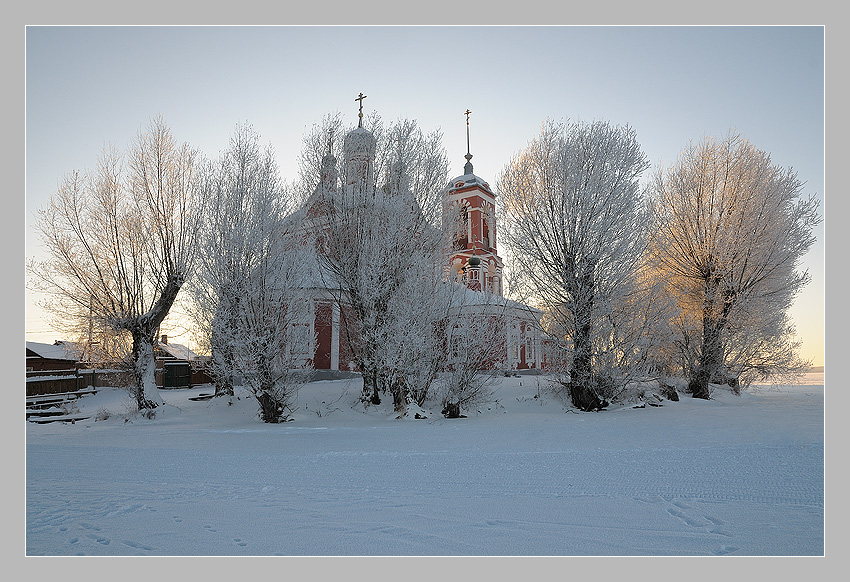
x,y
521,476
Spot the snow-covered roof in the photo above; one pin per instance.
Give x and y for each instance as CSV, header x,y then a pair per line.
x,y
466,181
179,351
53,351
483,299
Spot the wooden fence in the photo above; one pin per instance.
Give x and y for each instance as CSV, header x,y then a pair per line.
x,y
72,380
53,382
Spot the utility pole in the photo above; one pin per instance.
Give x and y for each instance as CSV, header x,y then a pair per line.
x,y
91,309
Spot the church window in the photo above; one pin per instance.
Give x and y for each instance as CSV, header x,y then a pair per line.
x,y
462,238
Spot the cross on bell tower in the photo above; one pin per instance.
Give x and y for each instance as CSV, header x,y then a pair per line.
x,y
467,168
470,213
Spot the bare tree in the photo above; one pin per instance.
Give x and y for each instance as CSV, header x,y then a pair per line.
x,y
575,227
92,341
120,242
730,230
375,220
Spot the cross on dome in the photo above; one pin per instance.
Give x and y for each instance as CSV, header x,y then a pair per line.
x,y
360,98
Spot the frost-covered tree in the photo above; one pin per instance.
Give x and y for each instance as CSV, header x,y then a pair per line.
x,y
241,188
121,241
730,230
574,224
247,291
476,332
375,219
272,342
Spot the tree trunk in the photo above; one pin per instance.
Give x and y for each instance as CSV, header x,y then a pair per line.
x,y
451,410
223,385
223,330
711,351
398,388
586,399
143,330
270,410
144,367
710,362
222,375
269,396
371,386
582,385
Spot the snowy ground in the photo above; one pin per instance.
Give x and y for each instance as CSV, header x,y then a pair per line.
x,y
736,475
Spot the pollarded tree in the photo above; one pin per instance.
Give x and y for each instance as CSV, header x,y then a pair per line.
x,y
574,223
121,242
730,230
375,220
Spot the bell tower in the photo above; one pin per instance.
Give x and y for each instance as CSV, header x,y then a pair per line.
x,y
469,213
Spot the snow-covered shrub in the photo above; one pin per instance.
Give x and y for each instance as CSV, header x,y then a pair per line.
x,y
102,413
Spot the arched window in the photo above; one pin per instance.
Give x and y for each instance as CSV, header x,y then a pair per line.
x,y
462,231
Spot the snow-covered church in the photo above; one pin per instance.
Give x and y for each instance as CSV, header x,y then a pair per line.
x,y
473,261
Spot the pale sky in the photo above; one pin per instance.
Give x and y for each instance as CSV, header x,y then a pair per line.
x,y
87,87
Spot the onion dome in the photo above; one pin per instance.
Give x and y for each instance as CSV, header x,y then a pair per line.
x,y
359,144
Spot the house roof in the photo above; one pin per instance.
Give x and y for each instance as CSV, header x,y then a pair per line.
x,y
52,351
178,351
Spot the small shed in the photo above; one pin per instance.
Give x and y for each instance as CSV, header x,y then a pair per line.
x,y
177,366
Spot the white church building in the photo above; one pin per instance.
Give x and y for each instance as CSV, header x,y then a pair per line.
x,y
473,261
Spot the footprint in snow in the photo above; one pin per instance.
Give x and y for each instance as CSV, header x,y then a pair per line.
x,y
99,539
721,532
137,545
684,517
